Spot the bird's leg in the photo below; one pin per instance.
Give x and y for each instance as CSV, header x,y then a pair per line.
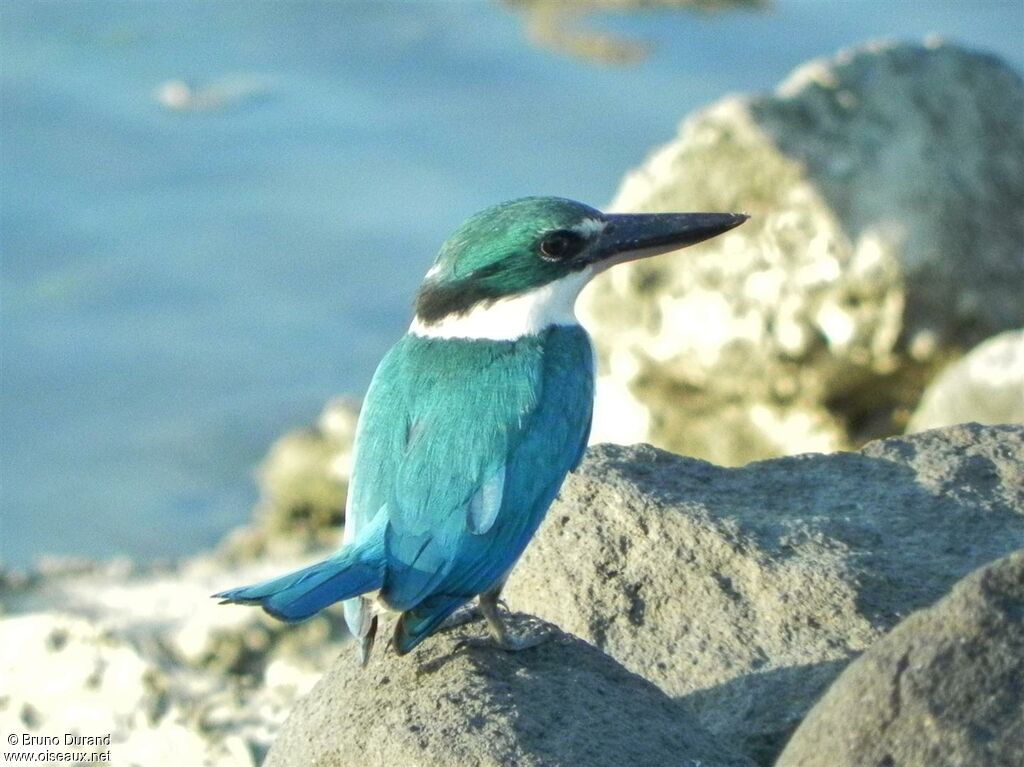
x,y
468,613
502,637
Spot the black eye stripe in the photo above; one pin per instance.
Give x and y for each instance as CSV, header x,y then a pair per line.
x,y
559,245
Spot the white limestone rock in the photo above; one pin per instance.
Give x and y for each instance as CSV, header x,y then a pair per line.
x,y
885,187
144,654
986,385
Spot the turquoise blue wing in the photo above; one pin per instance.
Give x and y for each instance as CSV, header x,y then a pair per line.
x,y
379,449
379,444
494,427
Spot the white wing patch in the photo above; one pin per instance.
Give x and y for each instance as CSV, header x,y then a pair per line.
x,y
486,502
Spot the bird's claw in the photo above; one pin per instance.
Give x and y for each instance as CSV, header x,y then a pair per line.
x,y
461,617
508,643
515,643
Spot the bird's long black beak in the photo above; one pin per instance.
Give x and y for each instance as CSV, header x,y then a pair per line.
x,y
631,236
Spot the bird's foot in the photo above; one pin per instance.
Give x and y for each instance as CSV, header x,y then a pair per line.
x,y
467,614
462,616
516,642
504,638
507,642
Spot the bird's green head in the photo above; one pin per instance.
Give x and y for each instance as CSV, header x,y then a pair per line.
x,y
535,255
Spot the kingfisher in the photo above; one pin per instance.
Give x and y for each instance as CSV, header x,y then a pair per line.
x,y
473,419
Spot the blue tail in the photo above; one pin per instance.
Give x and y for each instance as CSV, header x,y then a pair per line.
x,y
354,570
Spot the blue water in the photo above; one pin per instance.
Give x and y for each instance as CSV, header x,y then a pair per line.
x,y
180,288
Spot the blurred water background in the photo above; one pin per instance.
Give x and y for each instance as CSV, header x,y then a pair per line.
x,y
214,214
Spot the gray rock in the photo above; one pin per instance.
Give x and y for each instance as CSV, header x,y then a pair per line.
x,y
744,592
944,689
457,700
885,187
986,385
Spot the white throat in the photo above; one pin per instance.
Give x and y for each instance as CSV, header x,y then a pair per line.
x,y
510,318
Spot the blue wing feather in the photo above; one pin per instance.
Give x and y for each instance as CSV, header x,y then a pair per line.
x,y
465,443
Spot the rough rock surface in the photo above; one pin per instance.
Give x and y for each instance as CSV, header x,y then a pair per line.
x,y
885,187
740,593
986,385
945,688
453,703
745,591
303,482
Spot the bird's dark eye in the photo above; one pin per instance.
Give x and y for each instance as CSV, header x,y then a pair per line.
x,y
560,245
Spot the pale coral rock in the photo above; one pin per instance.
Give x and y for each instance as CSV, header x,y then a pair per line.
x,y
986,385
885,187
